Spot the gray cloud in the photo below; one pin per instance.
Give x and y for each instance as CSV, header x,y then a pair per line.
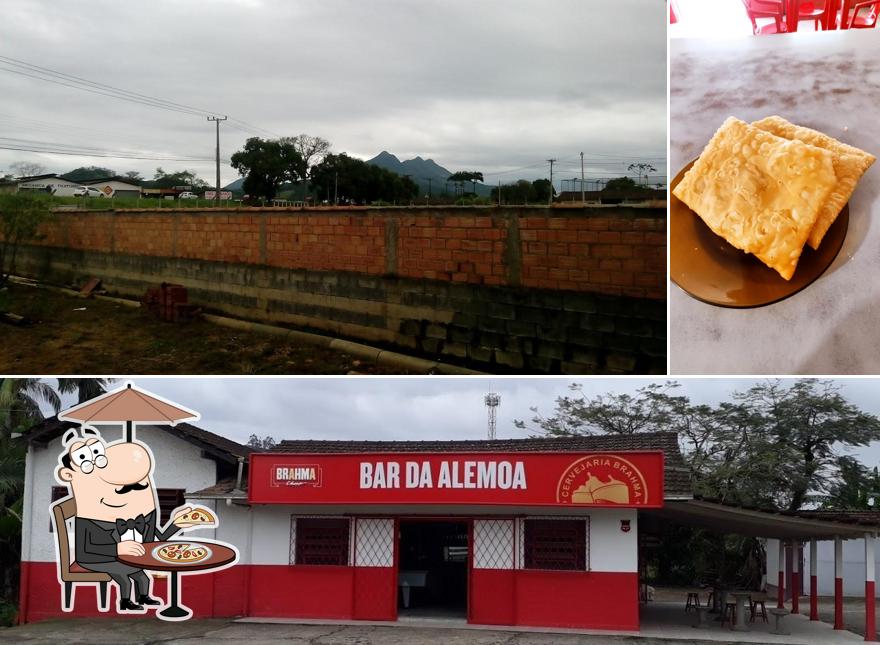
x,y
417,408
493,84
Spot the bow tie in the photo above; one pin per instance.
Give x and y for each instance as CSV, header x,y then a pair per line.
x,y
138,524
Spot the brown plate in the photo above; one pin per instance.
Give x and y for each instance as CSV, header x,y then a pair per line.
x,y
706,267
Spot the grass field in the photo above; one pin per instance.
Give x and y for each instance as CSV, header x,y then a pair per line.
x,y
72,335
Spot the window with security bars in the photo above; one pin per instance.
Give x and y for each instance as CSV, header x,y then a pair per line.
x,y
555,544
169,499
322,541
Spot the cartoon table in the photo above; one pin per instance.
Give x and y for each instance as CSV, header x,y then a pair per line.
x,y
221,555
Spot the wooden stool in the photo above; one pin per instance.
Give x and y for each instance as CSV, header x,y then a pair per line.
x,y
711,599
754,609
693,601
729,614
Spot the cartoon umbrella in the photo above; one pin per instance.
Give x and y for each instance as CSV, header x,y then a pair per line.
x,y
130,404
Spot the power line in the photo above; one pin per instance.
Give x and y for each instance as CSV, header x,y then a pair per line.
x,y
47,144
88,153
117,91
76,82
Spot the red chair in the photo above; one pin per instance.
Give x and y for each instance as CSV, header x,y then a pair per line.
x,y
859,14
814,10
766,9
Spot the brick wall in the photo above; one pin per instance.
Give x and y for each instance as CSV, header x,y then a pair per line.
x,y
519,288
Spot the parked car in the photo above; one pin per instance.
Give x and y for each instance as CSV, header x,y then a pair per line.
x,y
187,195
88,191
64,191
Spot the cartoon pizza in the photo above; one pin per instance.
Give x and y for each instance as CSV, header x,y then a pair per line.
x,y
183,552
196,516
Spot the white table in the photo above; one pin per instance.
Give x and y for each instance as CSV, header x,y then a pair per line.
x,y
826,80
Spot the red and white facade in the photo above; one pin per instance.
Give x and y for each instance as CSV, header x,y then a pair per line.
x,y
320,535
376,493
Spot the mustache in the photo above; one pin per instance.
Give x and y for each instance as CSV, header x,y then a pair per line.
x,y
130,487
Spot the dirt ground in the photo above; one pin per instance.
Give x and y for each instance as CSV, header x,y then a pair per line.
x,y
71,335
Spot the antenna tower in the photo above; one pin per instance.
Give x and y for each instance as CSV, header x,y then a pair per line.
x,y
492,401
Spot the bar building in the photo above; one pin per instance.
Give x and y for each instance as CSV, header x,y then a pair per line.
x,y
531,532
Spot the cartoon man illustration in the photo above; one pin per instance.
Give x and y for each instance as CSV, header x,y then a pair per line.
x,y
115,509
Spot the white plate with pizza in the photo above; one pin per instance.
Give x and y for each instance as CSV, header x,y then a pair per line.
x,y
182,552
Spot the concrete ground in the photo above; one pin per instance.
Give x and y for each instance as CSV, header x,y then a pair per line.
x,y
663,621
669,620
224,632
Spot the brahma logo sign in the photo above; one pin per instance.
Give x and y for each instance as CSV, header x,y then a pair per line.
x,y
297,475
602,479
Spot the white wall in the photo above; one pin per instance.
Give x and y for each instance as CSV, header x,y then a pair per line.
x,y
611,549
853,566
178,464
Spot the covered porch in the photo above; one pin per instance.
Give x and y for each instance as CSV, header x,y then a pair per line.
x,y
791,530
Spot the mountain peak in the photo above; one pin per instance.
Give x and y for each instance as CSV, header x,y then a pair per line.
x,y
385,156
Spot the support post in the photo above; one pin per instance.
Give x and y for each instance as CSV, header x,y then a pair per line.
x,y
780,582
838,583
870,616
814,579
217,120
795,576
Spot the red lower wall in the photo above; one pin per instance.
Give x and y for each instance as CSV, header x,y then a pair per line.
x,y
539,598
213,594
596,600
593,600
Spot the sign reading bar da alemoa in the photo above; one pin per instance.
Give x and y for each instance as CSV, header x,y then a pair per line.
x,y
535,479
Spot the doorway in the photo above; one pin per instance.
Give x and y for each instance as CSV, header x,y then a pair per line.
x,y
433,569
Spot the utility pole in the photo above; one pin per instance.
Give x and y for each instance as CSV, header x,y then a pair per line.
x,y
550,199
430,179
336,188
217,120
583,197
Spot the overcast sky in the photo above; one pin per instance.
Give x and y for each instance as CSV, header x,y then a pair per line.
x,y
414,408
494,85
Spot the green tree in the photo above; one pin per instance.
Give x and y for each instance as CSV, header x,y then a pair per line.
x,y
311,149
542,190
518,192
621,183
20,217
134,175
27,168
86,173
643,169
472,176
162,179
266,443
266,164
856,486
772,445
359,181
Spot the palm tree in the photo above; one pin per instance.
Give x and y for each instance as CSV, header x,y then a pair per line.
x,y
20,401
85,388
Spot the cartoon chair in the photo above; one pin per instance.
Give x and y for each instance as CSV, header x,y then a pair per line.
x,y
70,573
